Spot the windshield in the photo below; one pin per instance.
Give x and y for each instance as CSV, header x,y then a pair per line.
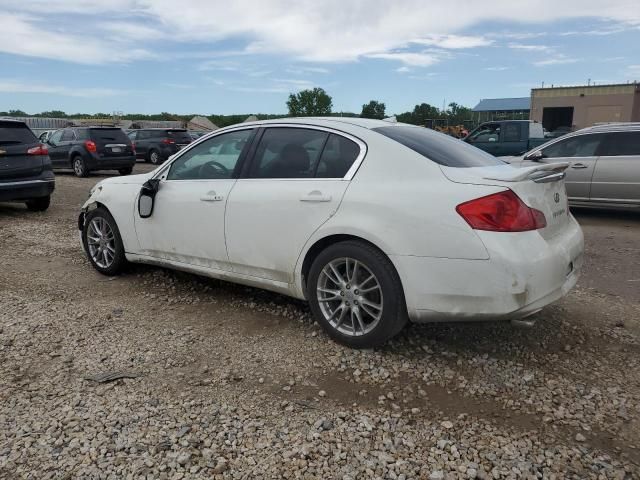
x,y
438,147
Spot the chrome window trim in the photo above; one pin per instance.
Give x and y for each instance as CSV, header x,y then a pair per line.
x,y
347,177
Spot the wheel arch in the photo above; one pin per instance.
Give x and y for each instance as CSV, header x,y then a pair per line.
x,y
320,244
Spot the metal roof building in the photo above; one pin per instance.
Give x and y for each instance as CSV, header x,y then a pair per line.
x,y
502,109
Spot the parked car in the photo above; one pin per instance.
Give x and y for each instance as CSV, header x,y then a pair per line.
x,y
507,137
604,163
196,134
156,145
87,149
373,222
44,136
25,168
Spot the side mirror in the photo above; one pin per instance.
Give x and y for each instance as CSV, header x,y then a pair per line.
x,y
147,197
535,156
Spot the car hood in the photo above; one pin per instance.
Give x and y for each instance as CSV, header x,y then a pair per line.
x,y
127,179
513,160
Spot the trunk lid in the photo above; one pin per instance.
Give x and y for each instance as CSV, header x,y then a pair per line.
x,y
15,140
540,187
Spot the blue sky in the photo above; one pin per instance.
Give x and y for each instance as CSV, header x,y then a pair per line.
x,y
246,56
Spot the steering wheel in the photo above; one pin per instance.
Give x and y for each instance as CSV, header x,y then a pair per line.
x,y
213,169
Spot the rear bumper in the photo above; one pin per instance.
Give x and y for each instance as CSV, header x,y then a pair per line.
x,y
18,190
525,272
111,163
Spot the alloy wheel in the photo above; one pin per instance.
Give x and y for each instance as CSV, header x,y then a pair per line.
x,y
155,158
78,167
350,296
101,242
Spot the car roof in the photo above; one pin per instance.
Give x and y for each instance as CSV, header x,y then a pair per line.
x,y
612,127
334,122
12,120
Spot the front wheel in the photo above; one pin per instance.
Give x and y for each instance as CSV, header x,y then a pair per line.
x,y
126,171
38,204
356,295
102,242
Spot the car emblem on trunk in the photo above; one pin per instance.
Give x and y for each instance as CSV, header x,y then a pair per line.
x,y
556,197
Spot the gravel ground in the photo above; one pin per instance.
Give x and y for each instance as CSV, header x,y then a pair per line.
x,y
234,382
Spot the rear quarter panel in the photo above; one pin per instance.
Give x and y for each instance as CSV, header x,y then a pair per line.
x,y
401,202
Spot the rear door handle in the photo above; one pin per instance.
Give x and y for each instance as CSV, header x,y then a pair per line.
x,y
315,196
579,165
211,197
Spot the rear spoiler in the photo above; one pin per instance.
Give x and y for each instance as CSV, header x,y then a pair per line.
x,y
544,173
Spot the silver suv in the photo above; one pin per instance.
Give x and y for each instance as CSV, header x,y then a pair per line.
x,y
604,164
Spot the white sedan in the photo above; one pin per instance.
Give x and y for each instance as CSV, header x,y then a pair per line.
x,y
374,223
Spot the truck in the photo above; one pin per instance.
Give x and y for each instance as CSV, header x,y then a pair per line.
x,y
507,137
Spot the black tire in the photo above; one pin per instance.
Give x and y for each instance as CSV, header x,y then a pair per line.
x,y
79,166
38,204
119,259
126,171
394,310
154,157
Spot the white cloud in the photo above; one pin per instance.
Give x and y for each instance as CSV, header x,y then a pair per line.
x,y
308,30
633,71
16,86
412,59
453,41
25,35
530,48
555,60
496,69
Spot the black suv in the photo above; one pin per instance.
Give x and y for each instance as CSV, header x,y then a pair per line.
x,y
25,167
85,149
155,145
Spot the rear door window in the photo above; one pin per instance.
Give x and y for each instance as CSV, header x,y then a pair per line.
x,y
575,147
180,136
440,148
67,136
621,144
511,132
288,153
337,157
15,133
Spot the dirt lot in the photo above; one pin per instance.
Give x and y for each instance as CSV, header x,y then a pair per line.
x,y
233,382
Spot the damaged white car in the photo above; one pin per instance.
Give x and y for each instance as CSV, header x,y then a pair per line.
x,y
373,223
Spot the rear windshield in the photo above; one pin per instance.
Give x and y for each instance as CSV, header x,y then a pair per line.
x,y
179,135
108,135
439,147
13,133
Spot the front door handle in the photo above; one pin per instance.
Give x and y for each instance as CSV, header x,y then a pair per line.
x,y
211,197
315,196
578,165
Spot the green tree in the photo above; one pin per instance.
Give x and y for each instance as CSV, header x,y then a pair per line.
x,y
373,109
17,113
309,103
457,114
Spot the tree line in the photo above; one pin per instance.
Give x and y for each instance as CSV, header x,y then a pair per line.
x,y
312,102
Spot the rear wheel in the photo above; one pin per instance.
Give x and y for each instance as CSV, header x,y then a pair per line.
x,y
39,204
102,242
154,157
356,295
79,166
126,171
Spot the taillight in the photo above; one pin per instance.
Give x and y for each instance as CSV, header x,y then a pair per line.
x,y
168,141
91,146
501,212
39,150
133,147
